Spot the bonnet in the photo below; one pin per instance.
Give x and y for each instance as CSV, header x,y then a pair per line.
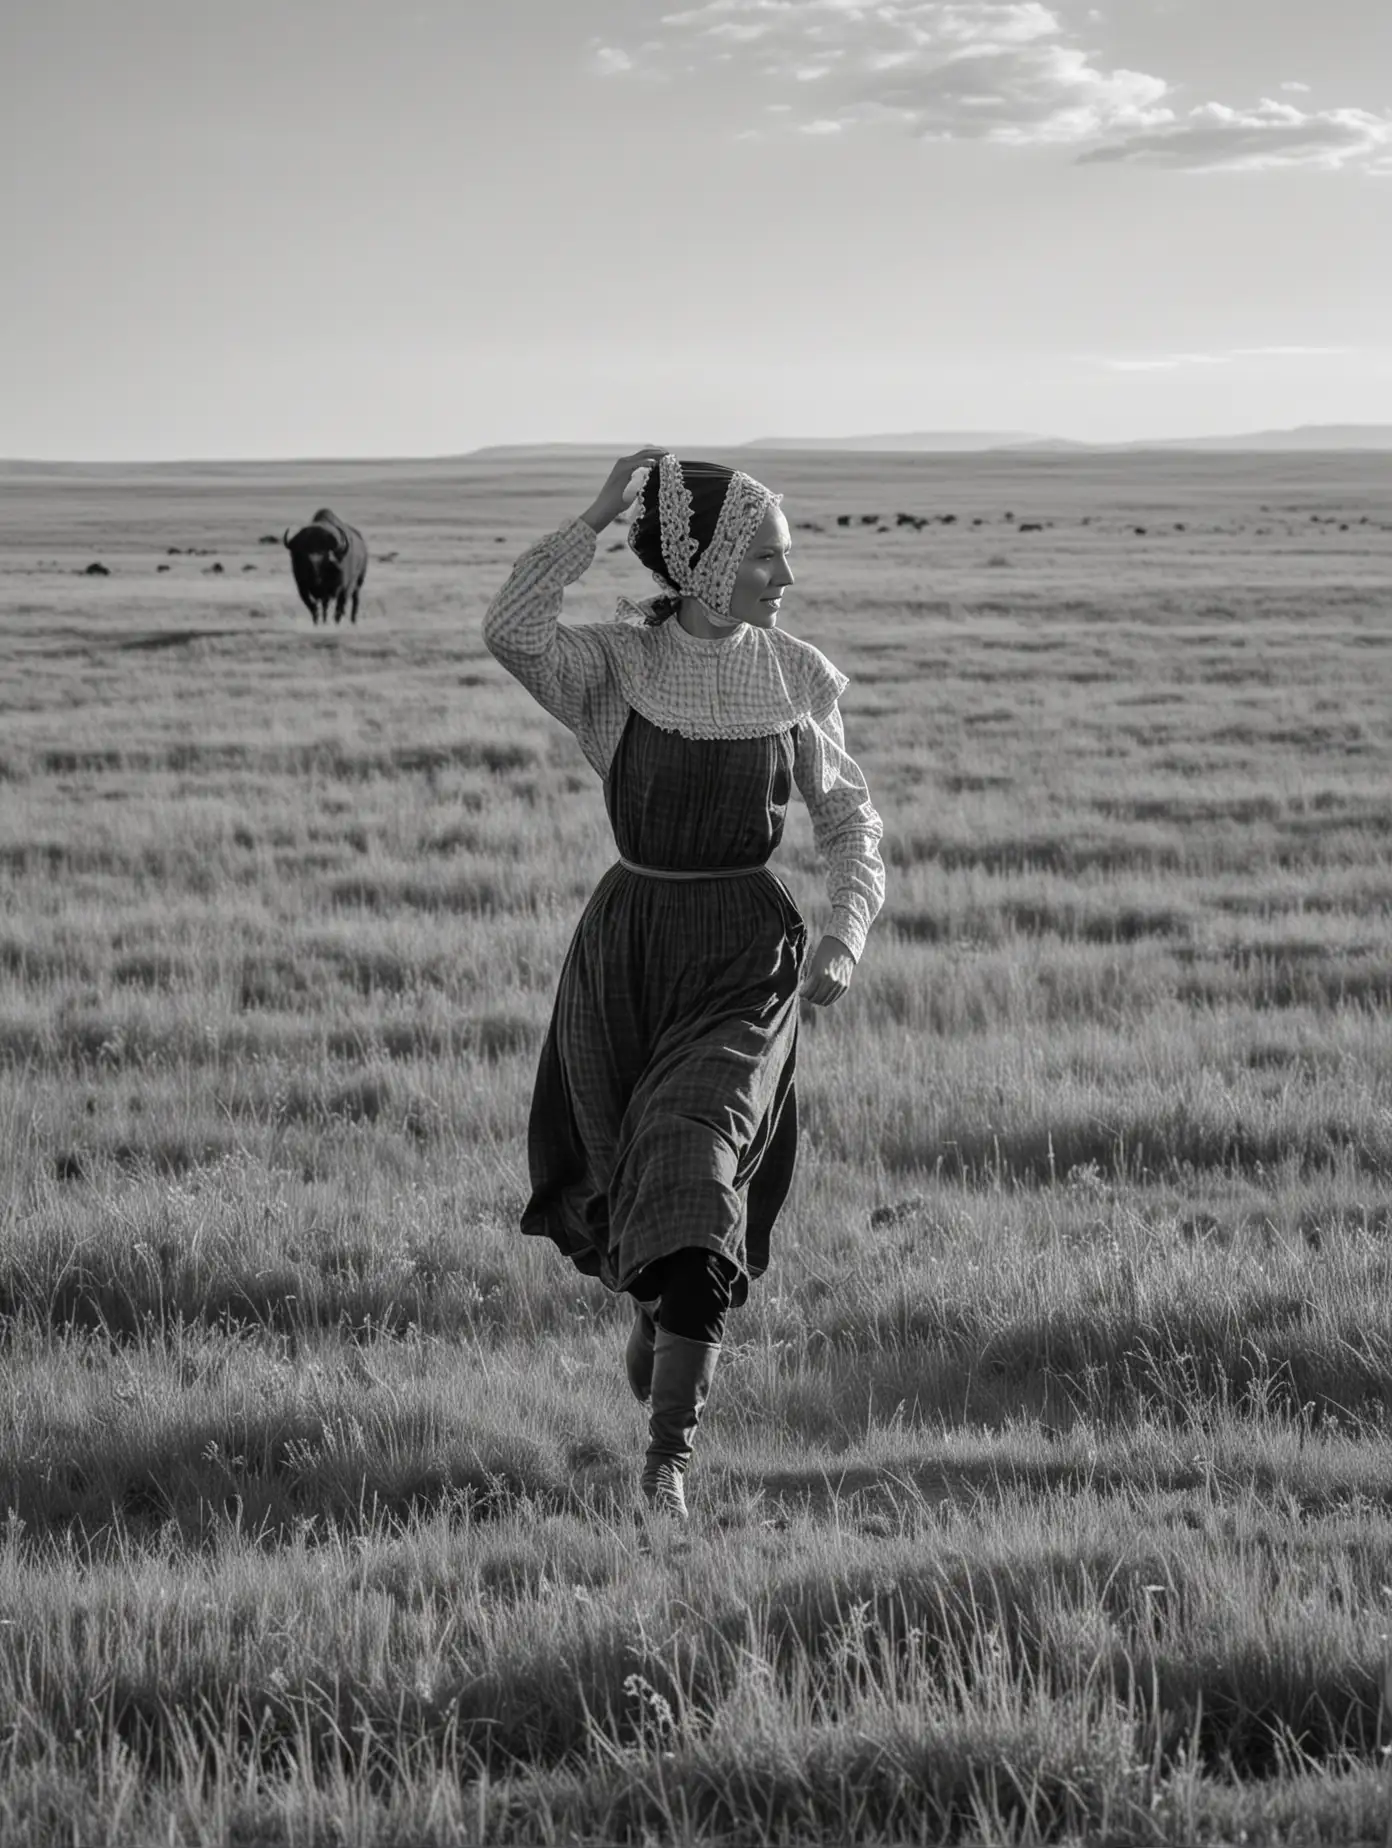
x,y
712,579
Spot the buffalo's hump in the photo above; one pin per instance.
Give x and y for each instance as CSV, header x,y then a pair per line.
x,y
326,533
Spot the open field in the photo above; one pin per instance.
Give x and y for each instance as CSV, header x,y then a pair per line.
x,y
1046,1491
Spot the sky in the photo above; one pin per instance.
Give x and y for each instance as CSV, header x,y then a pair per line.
x,y
276,228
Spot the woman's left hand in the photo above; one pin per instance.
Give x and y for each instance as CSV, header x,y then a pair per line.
x,y
829,971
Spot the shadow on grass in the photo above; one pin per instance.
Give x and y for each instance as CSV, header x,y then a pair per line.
x,y
1164,1144
328,757
296,1474
883,1498
577,1686
1074,854
1119,924
1240,1716
161,1288
1262,1352
289,1029
154,639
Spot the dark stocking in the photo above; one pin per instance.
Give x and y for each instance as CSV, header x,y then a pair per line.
x,y
693,1287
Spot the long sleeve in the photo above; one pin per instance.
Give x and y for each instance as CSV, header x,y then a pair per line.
x,y
565,670
845,827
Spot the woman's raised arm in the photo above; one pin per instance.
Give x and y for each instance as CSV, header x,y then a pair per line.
x,y
563,669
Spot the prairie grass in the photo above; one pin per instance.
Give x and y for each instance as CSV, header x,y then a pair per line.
x,y
1046,1493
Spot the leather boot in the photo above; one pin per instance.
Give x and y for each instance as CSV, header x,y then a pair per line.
x,y
638,1355
681,1382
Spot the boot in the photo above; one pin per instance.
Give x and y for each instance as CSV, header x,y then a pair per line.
x,y
638,1355
681,1382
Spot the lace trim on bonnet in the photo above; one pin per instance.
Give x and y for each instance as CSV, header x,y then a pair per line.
x,y
742,511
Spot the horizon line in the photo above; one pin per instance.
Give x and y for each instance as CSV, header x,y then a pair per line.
x,y
879,442
905,441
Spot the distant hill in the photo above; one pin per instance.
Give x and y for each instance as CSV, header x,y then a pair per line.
x,y
1053,446
521,452
517,452
1302,437
931,440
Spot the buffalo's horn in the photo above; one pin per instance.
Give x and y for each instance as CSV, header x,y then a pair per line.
x,y
285,537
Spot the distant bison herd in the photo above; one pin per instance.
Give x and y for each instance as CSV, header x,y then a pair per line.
x,y
329,560
881,521
328,557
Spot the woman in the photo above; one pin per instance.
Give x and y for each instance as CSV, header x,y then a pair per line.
x,y
663,1128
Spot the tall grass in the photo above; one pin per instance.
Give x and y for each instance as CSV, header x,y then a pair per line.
x,y
1044,1491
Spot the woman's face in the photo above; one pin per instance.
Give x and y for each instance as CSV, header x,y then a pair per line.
x,y
763,575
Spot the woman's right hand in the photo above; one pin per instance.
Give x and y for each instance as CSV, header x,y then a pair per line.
x,y
616,493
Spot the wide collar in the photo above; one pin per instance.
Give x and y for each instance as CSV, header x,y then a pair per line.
x,y
747,684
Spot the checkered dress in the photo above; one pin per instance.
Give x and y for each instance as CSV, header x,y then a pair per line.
x,y
664,1114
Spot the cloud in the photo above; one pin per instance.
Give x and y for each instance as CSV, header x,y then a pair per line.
x,y
1017,94
1271,135
743,32
1171,362
995,70
1013,72
1164,362
610,61
982,23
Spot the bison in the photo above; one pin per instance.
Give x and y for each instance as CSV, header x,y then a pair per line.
x,y
329,559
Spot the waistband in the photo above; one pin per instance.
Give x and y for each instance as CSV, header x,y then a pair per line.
x,y
711,872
